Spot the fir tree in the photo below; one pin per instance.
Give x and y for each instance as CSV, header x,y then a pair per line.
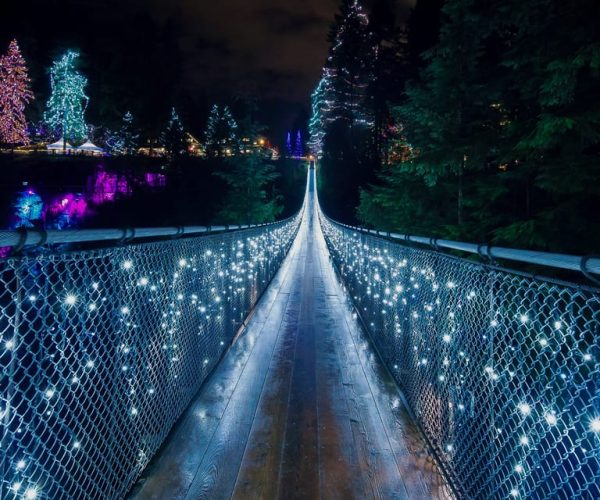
x,y
247,200
173,137
129,134
15,94
67,103
449,118
299,147
221,136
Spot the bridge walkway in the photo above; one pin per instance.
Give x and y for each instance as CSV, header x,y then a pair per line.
x,y
300,407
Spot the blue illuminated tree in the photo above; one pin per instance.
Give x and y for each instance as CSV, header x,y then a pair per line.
x,y
288,144
299,148
67,103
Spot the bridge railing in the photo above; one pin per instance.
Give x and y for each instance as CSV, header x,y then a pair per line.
x,y
500,369
102,350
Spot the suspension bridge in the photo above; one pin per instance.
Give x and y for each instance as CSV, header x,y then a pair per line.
x,y
299,359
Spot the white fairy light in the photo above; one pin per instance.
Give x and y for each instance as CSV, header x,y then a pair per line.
x,y
182,262
595,425
524,408
127,265
49,393
551,418
143,281
514,493
524,318
519,468
70,299
524,440
557,325
21,464
446,338
31,493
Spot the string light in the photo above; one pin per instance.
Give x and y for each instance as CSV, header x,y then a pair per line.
x,y
67,103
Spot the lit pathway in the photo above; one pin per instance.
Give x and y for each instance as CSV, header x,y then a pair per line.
x,y
300,407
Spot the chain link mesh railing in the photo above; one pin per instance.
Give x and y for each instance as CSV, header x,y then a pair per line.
x,y
500,369
101,351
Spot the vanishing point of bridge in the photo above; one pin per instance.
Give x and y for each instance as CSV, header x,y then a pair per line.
x,y
301,359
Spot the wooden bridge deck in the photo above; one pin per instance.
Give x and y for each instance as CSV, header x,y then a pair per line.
x,y
300,407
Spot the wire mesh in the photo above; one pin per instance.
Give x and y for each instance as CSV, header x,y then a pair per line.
x,y
501,370
101,351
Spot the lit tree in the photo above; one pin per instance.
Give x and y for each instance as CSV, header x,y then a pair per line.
x,y
67,103
173,138
288,144
298,148
221,132
14,95
129,134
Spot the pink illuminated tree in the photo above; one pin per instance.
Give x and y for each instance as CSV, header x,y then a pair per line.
x,y
15,94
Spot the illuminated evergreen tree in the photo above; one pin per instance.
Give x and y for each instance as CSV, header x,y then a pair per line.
x,y
221,133
322,99
129,134
342,93
299,148
15,93
173,137
288,143
67,103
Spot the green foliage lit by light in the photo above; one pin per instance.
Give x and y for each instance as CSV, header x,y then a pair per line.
x,y
67,103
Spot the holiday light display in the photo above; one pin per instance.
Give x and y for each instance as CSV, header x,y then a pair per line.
x,y
111,347
499,368
341,94
15,94
29,208
67,103
221,138
299,147
288,144
173,137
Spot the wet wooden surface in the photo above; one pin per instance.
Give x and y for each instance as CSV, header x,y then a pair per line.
x,y
301,406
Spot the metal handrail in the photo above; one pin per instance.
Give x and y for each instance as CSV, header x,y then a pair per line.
x,y
585,264
39,237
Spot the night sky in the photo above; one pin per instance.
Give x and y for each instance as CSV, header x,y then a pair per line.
x,y
184,52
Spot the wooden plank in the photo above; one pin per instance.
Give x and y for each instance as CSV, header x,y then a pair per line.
x,y
172,472
259,472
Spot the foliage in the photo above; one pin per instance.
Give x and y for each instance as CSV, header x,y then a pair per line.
x,y
15,94
221,132
248,200
67,103
173,137
502,119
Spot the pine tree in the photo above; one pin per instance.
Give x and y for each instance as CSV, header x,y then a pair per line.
x,y
299,147
67,103
450,119
15,94
129,134
173,137
288,144
247,200
221,138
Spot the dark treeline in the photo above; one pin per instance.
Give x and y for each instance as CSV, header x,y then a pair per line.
x,y
489,130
